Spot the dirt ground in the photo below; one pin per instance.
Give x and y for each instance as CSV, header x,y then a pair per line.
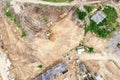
x,y
107,69
97,43
35,17
26,54
0,77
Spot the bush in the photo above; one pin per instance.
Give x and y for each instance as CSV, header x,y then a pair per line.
x,y
90,49
40,66
81,15
118,45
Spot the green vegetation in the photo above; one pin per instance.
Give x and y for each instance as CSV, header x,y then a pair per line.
x,y
111,14
7,6
90,49
41,5
85,47
81,15
58,0
101,31
40,66
13,18
107,26
9,15
23,33
118,45
45,20
89,8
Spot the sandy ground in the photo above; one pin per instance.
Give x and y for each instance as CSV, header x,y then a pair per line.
x,y
97,43
27,56
57,4
112,43
107,69
67,36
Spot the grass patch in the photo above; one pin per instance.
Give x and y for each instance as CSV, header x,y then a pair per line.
x,y
24,33
45,20
106,27
9,15
7,6
111,14
81,15
13,18
41,5
101,31
58,0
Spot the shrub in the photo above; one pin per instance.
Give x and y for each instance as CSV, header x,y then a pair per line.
x,y
118,45
81,15
90,49
40,66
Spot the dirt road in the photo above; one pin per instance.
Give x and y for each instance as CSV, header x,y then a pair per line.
x,y
56,4
101,57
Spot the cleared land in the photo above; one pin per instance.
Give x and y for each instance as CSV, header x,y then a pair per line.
x,y
27,53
